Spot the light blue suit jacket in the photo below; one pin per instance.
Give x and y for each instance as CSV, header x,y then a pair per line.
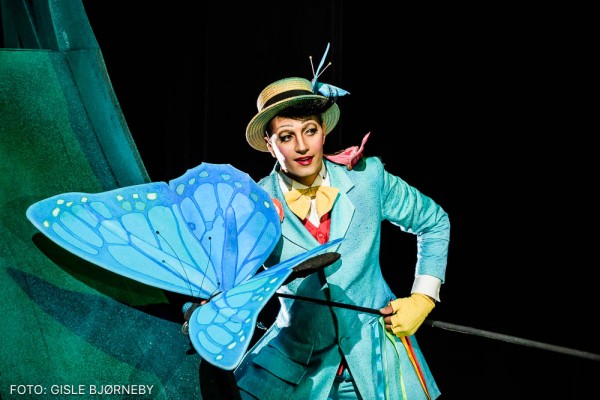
x,y
297,358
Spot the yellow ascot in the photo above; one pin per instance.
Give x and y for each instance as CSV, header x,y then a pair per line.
x,y
298,200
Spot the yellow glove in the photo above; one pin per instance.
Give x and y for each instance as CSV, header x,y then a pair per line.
x,y
407,314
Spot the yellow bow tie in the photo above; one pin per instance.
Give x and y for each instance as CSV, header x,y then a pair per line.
x,y
298,200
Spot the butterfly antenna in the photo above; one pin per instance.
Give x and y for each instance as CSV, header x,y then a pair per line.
x,y
186,278
218,284
312,67
315,76
321,73
207,264
215,292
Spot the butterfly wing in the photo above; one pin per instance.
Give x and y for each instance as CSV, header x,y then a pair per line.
x,y
329,90
205,232
202,233
221,330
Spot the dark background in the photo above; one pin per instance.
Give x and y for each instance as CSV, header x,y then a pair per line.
x,y
487,110
481,109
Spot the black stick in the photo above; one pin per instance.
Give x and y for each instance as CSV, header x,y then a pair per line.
x,y
330,303
459,328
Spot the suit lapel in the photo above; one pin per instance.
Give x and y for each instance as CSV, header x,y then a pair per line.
x,y
343,209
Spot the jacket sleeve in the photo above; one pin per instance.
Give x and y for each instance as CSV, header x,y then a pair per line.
x,y
413,212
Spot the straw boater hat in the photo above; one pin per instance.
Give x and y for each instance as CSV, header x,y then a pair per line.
x,y
279,95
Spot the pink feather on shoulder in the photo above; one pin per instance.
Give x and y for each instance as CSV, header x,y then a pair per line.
x,y
350,156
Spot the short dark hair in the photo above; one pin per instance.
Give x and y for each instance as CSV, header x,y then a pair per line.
x,y
306,108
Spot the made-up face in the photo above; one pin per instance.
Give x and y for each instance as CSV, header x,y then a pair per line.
x,y
298,146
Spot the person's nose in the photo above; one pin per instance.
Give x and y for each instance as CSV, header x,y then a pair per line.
x,y
301,145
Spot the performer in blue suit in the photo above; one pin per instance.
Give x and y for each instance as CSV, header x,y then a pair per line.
x,y
316,351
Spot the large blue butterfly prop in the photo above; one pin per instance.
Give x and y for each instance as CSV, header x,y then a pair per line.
x,y
204,234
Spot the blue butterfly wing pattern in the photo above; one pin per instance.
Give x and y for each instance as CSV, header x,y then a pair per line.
x,y
221,329
202,233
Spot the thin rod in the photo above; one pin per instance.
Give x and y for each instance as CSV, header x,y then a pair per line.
x,y
461,329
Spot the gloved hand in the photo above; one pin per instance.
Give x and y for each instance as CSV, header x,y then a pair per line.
x,y
404,316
